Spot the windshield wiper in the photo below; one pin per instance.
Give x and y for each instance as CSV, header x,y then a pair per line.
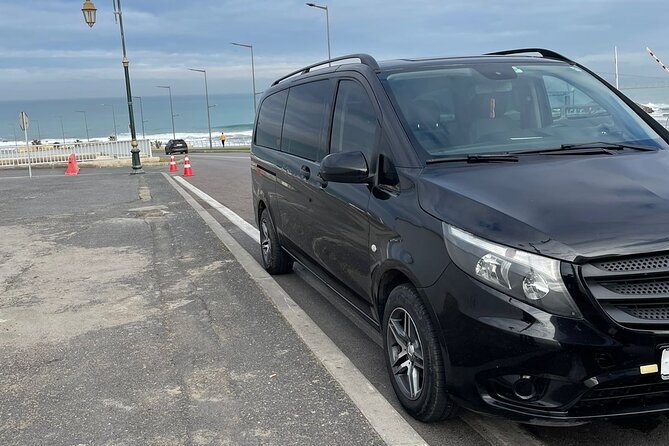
x,y
588,149
472,159
606,145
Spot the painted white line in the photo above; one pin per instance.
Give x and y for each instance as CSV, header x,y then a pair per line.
x,y
497,432
500,432
238,221
387,422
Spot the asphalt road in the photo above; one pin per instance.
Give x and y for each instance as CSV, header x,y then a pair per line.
x,y
125,321
227,178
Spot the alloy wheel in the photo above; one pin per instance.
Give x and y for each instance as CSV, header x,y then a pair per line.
x,y
405,351
265,243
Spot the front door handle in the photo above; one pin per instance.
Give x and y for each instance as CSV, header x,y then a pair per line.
x,y
306,172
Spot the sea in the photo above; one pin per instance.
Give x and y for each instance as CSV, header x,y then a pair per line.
x,y
230,113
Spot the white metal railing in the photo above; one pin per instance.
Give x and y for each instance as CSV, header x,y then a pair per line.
x,y
216,143
60,153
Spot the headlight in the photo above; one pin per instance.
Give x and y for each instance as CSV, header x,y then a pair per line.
x,y
531,278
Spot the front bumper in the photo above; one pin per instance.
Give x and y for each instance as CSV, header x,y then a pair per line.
x,y
507,358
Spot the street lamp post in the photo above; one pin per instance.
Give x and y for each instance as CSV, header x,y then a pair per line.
x,y
169,89
141,111
62,128
327,22
16,142
253,72
206,93
114,118
88,137
39,132
89,12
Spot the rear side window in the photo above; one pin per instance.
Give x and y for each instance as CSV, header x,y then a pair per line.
x,y
270,118
354,126
305,118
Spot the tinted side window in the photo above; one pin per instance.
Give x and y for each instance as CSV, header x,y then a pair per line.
x,y
354,126
305,118
270,119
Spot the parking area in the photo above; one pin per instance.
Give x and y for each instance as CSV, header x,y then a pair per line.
x,y
126,318
123,320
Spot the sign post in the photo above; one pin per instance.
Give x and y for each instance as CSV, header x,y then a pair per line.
x,y
24,123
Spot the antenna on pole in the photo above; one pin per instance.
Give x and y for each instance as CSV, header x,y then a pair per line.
x,y
664,67
615,60
117,12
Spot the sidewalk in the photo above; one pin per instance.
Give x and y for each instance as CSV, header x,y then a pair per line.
x,y
124,320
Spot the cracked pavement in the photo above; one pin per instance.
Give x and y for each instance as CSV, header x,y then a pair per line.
x,y
123,320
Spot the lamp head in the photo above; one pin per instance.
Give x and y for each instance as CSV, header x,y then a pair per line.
x,y
89,12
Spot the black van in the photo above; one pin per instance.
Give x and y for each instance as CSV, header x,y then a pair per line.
x,y
502,220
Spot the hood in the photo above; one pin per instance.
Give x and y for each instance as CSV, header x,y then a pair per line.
x,y
569,207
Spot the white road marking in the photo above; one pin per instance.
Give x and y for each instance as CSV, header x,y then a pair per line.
x,y
387,422
497,432
500,432
238,221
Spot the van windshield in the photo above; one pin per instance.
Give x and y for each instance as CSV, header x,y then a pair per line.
x,y
500,107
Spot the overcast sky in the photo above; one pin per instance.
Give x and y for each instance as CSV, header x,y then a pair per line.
x,y
47,51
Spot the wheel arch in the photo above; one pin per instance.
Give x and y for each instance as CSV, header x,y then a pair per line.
x,y
392,276
386,280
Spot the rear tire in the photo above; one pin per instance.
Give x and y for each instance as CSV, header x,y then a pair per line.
x,y
274,259
414,358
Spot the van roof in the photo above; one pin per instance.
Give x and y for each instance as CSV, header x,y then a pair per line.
x,y
394,64
513,56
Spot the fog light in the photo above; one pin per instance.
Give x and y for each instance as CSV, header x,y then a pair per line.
x,y
535,286
524,388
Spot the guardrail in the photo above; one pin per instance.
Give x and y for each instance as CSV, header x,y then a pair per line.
x,y
216,143
59,153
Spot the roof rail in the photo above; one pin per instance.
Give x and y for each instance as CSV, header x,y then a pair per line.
x,y
548,54
365,59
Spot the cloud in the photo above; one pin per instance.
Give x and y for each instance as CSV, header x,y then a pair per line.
x,y
56,50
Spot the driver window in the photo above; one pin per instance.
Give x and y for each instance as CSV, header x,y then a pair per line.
x,y
354,125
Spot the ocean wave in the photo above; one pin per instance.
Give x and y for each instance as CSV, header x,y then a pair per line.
x,y
197,139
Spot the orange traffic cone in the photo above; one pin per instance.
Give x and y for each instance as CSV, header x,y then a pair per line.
x,y
173,164
188,172
72,166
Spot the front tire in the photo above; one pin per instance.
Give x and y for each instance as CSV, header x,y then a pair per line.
x,y
413,357
274,259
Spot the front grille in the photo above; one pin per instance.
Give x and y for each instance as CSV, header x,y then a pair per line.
x,y
633,291
643,288
639,394
642,264
647,312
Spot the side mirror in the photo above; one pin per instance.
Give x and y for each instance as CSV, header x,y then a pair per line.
x,y
346,167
